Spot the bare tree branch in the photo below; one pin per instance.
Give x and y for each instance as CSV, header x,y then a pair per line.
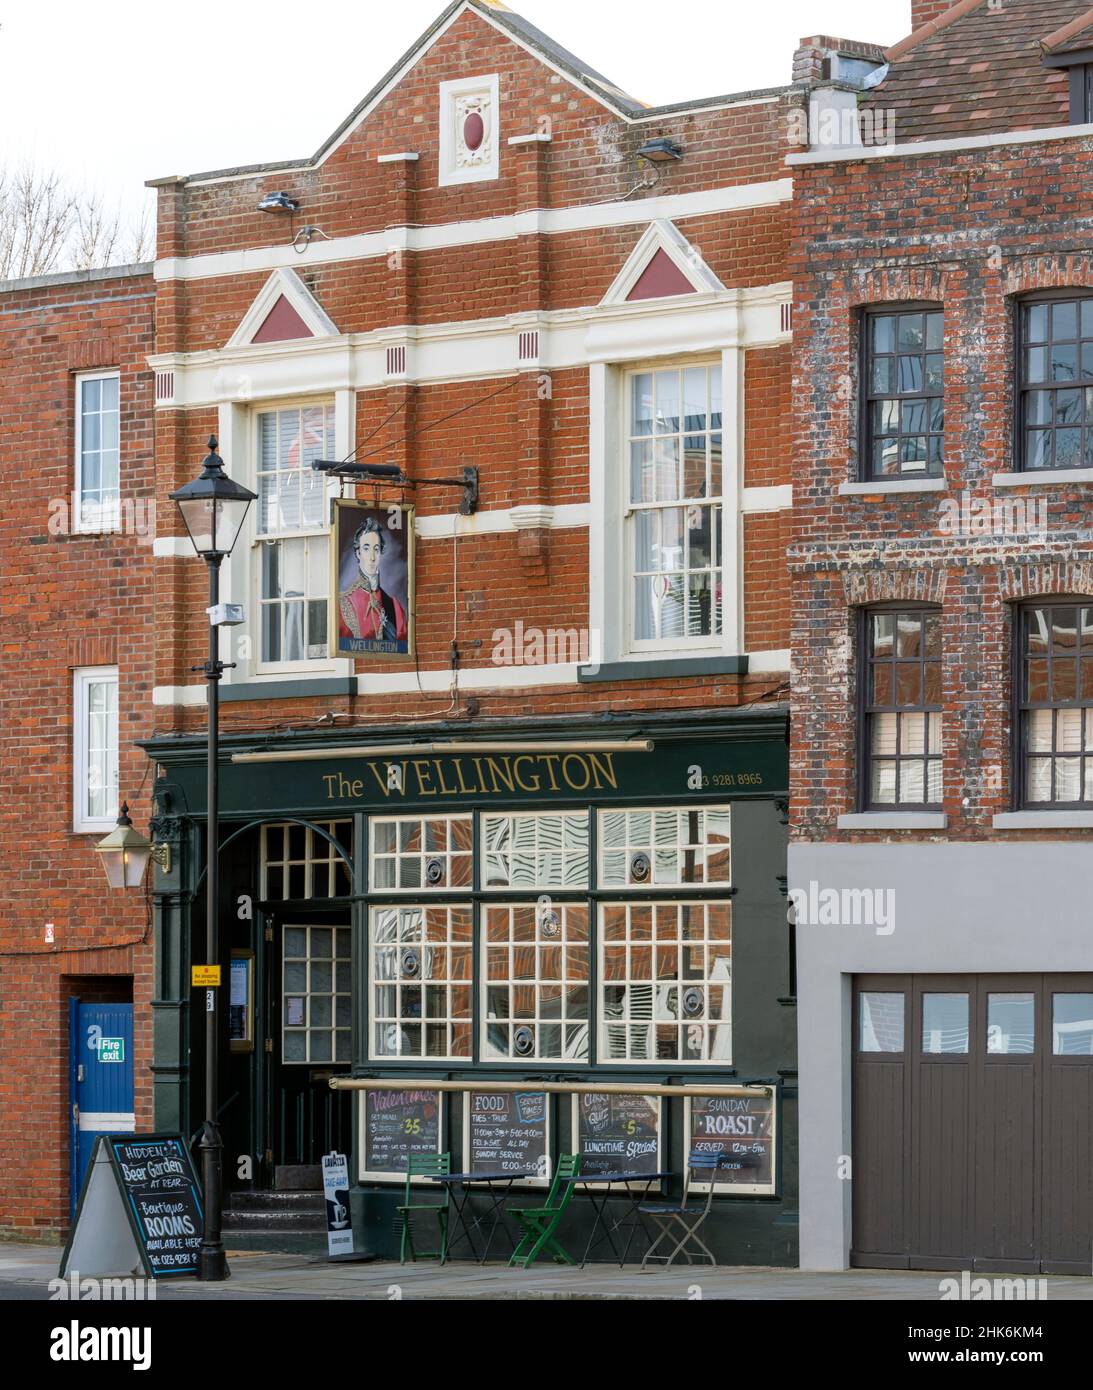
x,y
47,225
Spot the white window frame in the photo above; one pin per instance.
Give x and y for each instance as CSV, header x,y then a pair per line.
x,y
610,579
630,848
537,982
103,519
449,982
603,1057
539,885
83,678
241,573
398,856
649,646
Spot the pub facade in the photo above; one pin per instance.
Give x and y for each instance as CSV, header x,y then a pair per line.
x,y
503,769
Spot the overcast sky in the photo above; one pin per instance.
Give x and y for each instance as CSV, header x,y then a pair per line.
x,y
118,93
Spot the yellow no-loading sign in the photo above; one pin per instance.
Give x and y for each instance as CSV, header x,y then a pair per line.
x,y
204,976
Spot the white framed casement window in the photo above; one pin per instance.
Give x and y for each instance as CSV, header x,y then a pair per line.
x,y
535,982
421,853
535,849
665,982
290,571
95,748
98,452
673,549
420,969
665,846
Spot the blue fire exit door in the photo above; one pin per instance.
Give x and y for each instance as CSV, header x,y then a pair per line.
x,y
100,1053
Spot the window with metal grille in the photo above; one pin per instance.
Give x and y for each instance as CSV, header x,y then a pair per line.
x,y
901,717
903,386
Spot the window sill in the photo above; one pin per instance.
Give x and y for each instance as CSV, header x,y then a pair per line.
x,y
1045,477
654,667
299,689
893,820
881,486
1043,820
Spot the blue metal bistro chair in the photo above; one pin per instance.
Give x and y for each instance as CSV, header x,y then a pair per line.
x,y
681,1224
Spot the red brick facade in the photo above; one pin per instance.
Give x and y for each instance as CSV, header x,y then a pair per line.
x,y
526,430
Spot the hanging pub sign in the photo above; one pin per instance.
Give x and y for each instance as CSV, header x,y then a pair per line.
x,y
395,1125
737,1133
507,1132
372,551
617,1133
139,1211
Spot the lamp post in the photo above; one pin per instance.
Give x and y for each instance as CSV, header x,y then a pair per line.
x,y
213,508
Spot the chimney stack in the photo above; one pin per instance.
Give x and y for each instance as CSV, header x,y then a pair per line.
x,y
922,11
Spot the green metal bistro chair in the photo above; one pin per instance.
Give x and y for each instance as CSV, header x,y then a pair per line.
x,y
539,1223
425,1166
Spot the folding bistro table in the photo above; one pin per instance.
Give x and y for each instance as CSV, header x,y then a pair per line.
x,y
464,1223
635,1191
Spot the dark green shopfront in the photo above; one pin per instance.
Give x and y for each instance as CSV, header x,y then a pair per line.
x,y
561,903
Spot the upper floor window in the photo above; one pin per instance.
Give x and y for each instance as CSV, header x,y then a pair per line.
x,y
1081,93
98,482
673,543
1055,373
1055,704
95,748
901,724
293,569
903,374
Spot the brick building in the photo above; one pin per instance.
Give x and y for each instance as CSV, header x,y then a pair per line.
x,y
515,810
78,585
942,611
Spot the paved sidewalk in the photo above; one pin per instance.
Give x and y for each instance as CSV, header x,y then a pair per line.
x,y
25,1271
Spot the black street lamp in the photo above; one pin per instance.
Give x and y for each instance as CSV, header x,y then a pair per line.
x,y
213,508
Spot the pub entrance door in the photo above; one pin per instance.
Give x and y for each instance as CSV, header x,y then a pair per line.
x,y
308,1013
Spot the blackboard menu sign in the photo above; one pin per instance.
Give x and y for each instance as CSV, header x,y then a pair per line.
x,y
139,1211
617,1133
396,1125
507,1132
737,1134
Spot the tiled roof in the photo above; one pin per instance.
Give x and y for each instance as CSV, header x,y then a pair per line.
x,y
980,73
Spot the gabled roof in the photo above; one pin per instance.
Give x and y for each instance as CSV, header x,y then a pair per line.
x,y
515,27
977,69
1077,34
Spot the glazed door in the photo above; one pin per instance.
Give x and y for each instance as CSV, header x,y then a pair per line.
x,y
309,993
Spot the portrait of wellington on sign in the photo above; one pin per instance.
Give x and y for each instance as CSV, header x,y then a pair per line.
x,y
373,554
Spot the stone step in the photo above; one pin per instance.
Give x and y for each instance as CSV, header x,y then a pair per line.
x,y
279,1220
298,1177
245,1201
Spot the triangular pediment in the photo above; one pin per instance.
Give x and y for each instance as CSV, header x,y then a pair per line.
x,y
283,310
663,265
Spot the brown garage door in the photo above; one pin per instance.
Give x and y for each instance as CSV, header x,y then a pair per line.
x,y
973,1122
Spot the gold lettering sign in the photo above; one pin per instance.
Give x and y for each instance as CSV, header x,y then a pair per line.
x,y
495,774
